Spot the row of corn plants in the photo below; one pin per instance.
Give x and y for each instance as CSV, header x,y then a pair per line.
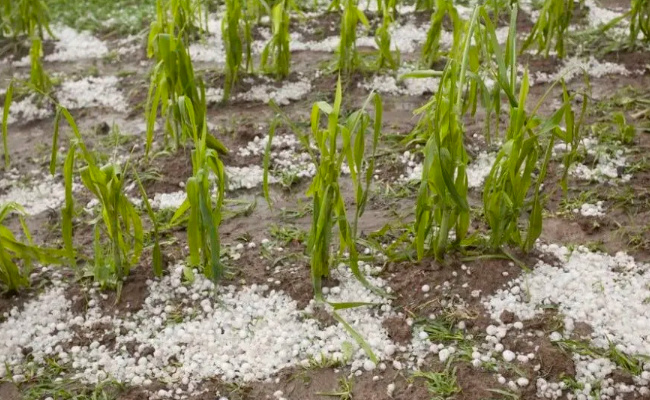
x,y
514,186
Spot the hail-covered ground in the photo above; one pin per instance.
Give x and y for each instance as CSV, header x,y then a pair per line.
x,y
569,320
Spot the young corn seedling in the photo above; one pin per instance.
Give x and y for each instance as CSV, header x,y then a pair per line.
x,y
121,227
205,213
551,27
442,199
276,56
386,57
172,78
431,48
17,257
348,55
513,179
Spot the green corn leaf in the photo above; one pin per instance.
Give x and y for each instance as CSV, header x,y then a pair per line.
x,y
68,210
357,337
5,120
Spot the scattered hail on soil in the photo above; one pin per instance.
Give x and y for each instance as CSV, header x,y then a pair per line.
x,y
609,293
39,194
71,45
92,92
189,325
477,170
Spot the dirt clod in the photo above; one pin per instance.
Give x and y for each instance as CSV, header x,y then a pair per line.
x,y
398,330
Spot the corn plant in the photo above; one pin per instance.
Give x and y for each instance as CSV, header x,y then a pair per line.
x,y
328,158
442,198
29,18
233,27
24,17
179,17
329,206
431,48
551,27
122,226
276,56
204,214
172,78
640,20
385,57
328,154
512,180
17,257
348,56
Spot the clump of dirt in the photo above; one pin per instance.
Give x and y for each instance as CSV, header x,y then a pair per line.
x,y
324,26
546,65
134,292
140,393
171,170
474,383
632,60
450,284
398,330
8,301
554,362
9,391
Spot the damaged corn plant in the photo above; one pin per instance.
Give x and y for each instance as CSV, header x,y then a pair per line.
x,y
386,57
185,17
333,145
640,20
276,56
205,193
118,223
331,158
513,188
173,78
236,33
431,48
442,206
28,19
349,58
551,27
